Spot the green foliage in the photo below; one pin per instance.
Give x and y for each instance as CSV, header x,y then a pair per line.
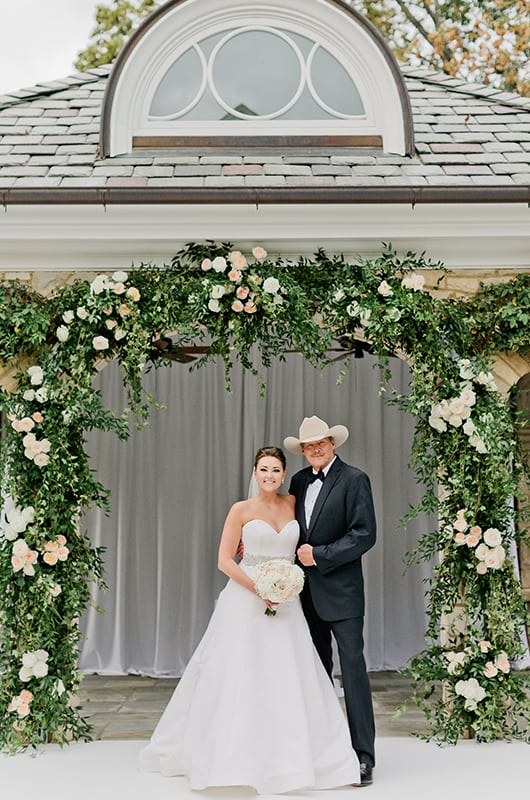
x,y
233,306
114,25
486,41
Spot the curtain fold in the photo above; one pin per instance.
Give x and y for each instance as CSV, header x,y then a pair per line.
x,y
173,482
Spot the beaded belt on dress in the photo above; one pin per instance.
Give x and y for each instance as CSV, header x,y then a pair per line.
x,y
253,561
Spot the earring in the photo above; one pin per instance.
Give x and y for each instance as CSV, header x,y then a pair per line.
x,y
283,481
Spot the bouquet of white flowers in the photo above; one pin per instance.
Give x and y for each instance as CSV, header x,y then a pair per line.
x,y
278,581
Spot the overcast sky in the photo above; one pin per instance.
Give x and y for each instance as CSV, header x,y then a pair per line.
x,y
40,39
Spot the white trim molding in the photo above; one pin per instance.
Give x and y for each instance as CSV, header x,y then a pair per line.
x,y
86,238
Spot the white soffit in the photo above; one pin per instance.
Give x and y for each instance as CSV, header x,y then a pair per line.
x,y
90,237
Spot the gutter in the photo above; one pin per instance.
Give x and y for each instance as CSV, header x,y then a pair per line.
x,y
318,195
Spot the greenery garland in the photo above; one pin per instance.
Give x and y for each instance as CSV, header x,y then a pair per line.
x,y
465,441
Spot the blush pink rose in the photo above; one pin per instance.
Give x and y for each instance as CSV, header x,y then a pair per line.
x,y
237,305
242,292
50,558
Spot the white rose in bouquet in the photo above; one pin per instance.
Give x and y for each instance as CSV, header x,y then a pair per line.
x,y
278,581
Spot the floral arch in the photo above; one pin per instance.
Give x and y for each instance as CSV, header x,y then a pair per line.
x,y
225,303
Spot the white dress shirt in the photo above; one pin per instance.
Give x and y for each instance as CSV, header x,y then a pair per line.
x,y
313,491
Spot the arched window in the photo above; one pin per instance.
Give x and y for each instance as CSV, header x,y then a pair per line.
x,y
289,72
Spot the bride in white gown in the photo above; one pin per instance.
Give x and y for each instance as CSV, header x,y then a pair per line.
x,y
255,706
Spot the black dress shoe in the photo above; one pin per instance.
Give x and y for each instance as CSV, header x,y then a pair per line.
x,y
366,774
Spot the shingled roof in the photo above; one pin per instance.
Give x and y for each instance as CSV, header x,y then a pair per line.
x,y
466,135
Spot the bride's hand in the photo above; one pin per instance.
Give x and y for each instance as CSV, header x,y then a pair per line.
x,y
271,606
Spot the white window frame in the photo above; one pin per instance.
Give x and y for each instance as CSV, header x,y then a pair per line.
x,y
326,22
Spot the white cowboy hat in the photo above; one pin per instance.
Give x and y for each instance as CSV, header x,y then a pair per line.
x,y
313,429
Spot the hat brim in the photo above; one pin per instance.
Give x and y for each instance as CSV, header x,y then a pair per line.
x,y
339,433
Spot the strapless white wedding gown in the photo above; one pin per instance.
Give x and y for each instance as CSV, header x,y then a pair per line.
x,y
255,706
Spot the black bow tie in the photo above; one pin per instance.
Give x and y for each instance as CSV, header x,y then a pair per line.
x,y
316,475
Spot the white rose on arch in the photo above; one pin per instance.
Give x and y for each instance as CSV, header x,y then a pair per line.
x,y
271,285
466,370
62,333
384,289
413,281
36,375
217,291
219,264
472,691
492,537
495,558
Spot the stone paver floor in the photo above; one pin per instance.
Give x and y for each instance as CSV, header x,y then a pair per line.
x,y
129,706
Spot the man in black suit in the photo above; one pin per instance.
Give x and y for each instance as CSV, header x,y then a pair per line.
x,y
335,511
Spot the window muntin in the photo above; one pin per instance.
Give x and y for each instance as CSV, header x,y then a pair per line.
x,y
256,73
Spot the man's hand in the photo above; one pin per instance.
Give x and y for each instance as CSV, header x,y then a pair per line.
x,y
305,555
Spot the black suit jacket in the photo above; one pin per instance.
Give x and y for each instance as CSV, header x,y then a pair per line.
x,y
342,529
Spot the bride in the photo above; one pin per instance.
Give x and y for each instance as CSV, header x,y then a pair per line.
x,y
255,706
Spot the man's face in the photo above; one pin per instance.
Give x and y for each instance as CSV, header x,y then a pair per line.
x,y
319,454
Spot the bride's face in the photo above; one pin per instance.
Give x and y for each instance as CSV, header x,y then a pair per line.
x,y
269,474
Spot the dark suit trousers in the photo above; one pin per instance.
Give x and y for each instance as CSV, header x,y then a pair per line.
x,y
348,634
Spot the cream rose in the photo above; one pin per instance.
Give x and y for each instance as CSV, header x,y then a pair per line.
x,y
214,305
100,343
237,259
502,663
492,537
259,253
490,670
120,276
495,558
438,423
133,294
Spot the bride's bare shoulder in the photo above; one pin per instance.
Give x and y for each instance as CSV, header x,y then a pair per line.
x,y
243,509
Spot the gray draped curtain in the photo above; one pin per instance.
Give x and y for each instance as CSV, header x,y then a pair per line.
x,y
173,482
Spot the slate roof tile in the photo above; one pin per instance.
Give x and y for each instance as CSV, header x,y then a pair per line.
x,y
465,133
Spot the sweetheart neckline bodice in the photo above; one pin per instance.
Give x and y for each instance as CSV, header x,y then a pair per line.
x,y
270,525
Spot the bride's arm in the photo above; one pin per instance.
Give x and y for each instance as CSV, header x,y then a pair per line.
x,y
230,538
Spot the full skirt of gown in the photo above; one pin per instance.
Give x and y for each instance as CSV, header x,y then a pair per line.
x,y
255,706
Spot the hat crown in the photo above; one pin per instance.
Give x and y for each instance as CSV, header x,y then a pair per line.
x,y
313,428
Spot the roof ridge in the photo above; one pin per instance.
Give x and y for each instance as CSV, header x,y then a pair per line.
x,y
480,90
48,88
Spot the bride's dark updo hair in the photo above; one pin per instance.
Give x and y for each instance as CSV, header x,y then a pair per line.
x,y
274,452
